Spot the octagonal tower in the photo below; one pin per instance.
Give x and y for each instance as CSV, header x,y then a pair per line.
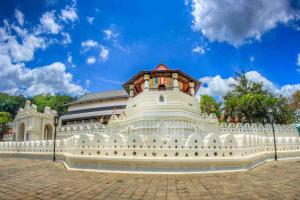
x,y
162,93
163,101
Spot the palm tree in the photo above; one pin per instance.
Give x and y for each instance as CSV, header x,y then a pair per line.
x,y
242,85
245,86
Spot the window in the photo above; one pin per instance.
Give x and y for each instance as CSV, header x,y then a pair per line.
x,y
162,87
161,98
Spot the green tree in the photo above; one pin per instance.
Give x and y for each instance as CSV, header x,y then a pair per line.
x,y
5,117
244,86
10,103
283,111
249,102
209,105
295,103
57,102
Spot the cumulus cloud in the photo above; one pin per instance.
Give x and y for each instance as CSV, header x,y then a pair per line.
x,y
20,17
69,14
199,49
217,86
22,50
91,60
53,78
17,46
49,24
238,21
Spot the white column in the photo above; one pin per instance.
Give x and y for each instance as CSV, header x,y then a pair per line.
x,y
175,81
146,84
131,91
192,88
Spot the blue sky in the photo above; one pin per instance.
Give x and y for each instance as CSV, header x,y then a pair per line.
x,y
75,47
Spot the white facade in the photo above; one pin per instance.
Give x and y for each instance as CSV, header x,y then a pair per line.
x,y
163,132
31,125
95,107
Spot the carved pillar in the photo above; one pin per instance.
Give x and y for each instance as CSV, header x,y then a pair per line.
x,y
175,81
131,91
146,84
192,88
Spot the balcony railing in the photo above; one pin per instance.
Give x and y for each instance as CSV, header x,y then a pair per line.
x,y
161,89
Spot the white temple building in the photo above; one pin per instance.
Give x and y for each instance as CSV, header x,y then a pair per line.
x,y
155,127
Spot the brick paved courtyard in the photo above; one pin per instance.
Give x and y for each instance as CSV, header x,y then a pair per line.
x,y
38,179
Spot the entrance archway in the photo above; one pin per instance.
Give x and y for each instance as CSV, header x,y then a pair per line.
x,y
162,87
48,132
21,132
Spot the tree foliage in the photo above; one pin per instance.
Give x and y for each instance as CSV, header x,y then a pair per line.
x,y
57,102
5,117
249,102
296,105
10,103
209,105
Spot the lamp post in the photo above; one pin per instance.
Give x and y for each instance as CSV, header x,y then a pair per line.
x,y
274,136
56,119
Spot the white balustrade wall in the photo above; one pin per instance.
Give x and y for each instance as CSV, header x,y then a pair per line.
x,y
170,138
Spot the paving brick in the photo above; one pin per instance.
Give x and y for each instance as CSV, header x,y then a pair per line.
x,y
41,179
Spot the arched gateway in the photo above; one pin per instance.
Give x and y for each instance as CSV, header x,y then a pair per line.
x,y
31,125
48,132
21,132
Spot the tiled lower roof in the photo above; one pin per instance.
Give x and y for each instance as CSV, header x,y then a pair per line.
x,y
113,94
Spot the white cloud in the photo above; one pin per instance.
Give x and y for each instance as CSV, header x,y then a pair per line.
x,y
49,24
70,60
19,46
88,44
238,21
109,34
19,79
91,60
218,87
90,20
104,52
198,49
20,17
69,14
23,51
66,38
215,86
288,90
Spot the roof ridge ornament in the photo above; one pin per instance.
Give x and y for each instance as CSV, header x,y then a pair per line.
x,y
161,67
